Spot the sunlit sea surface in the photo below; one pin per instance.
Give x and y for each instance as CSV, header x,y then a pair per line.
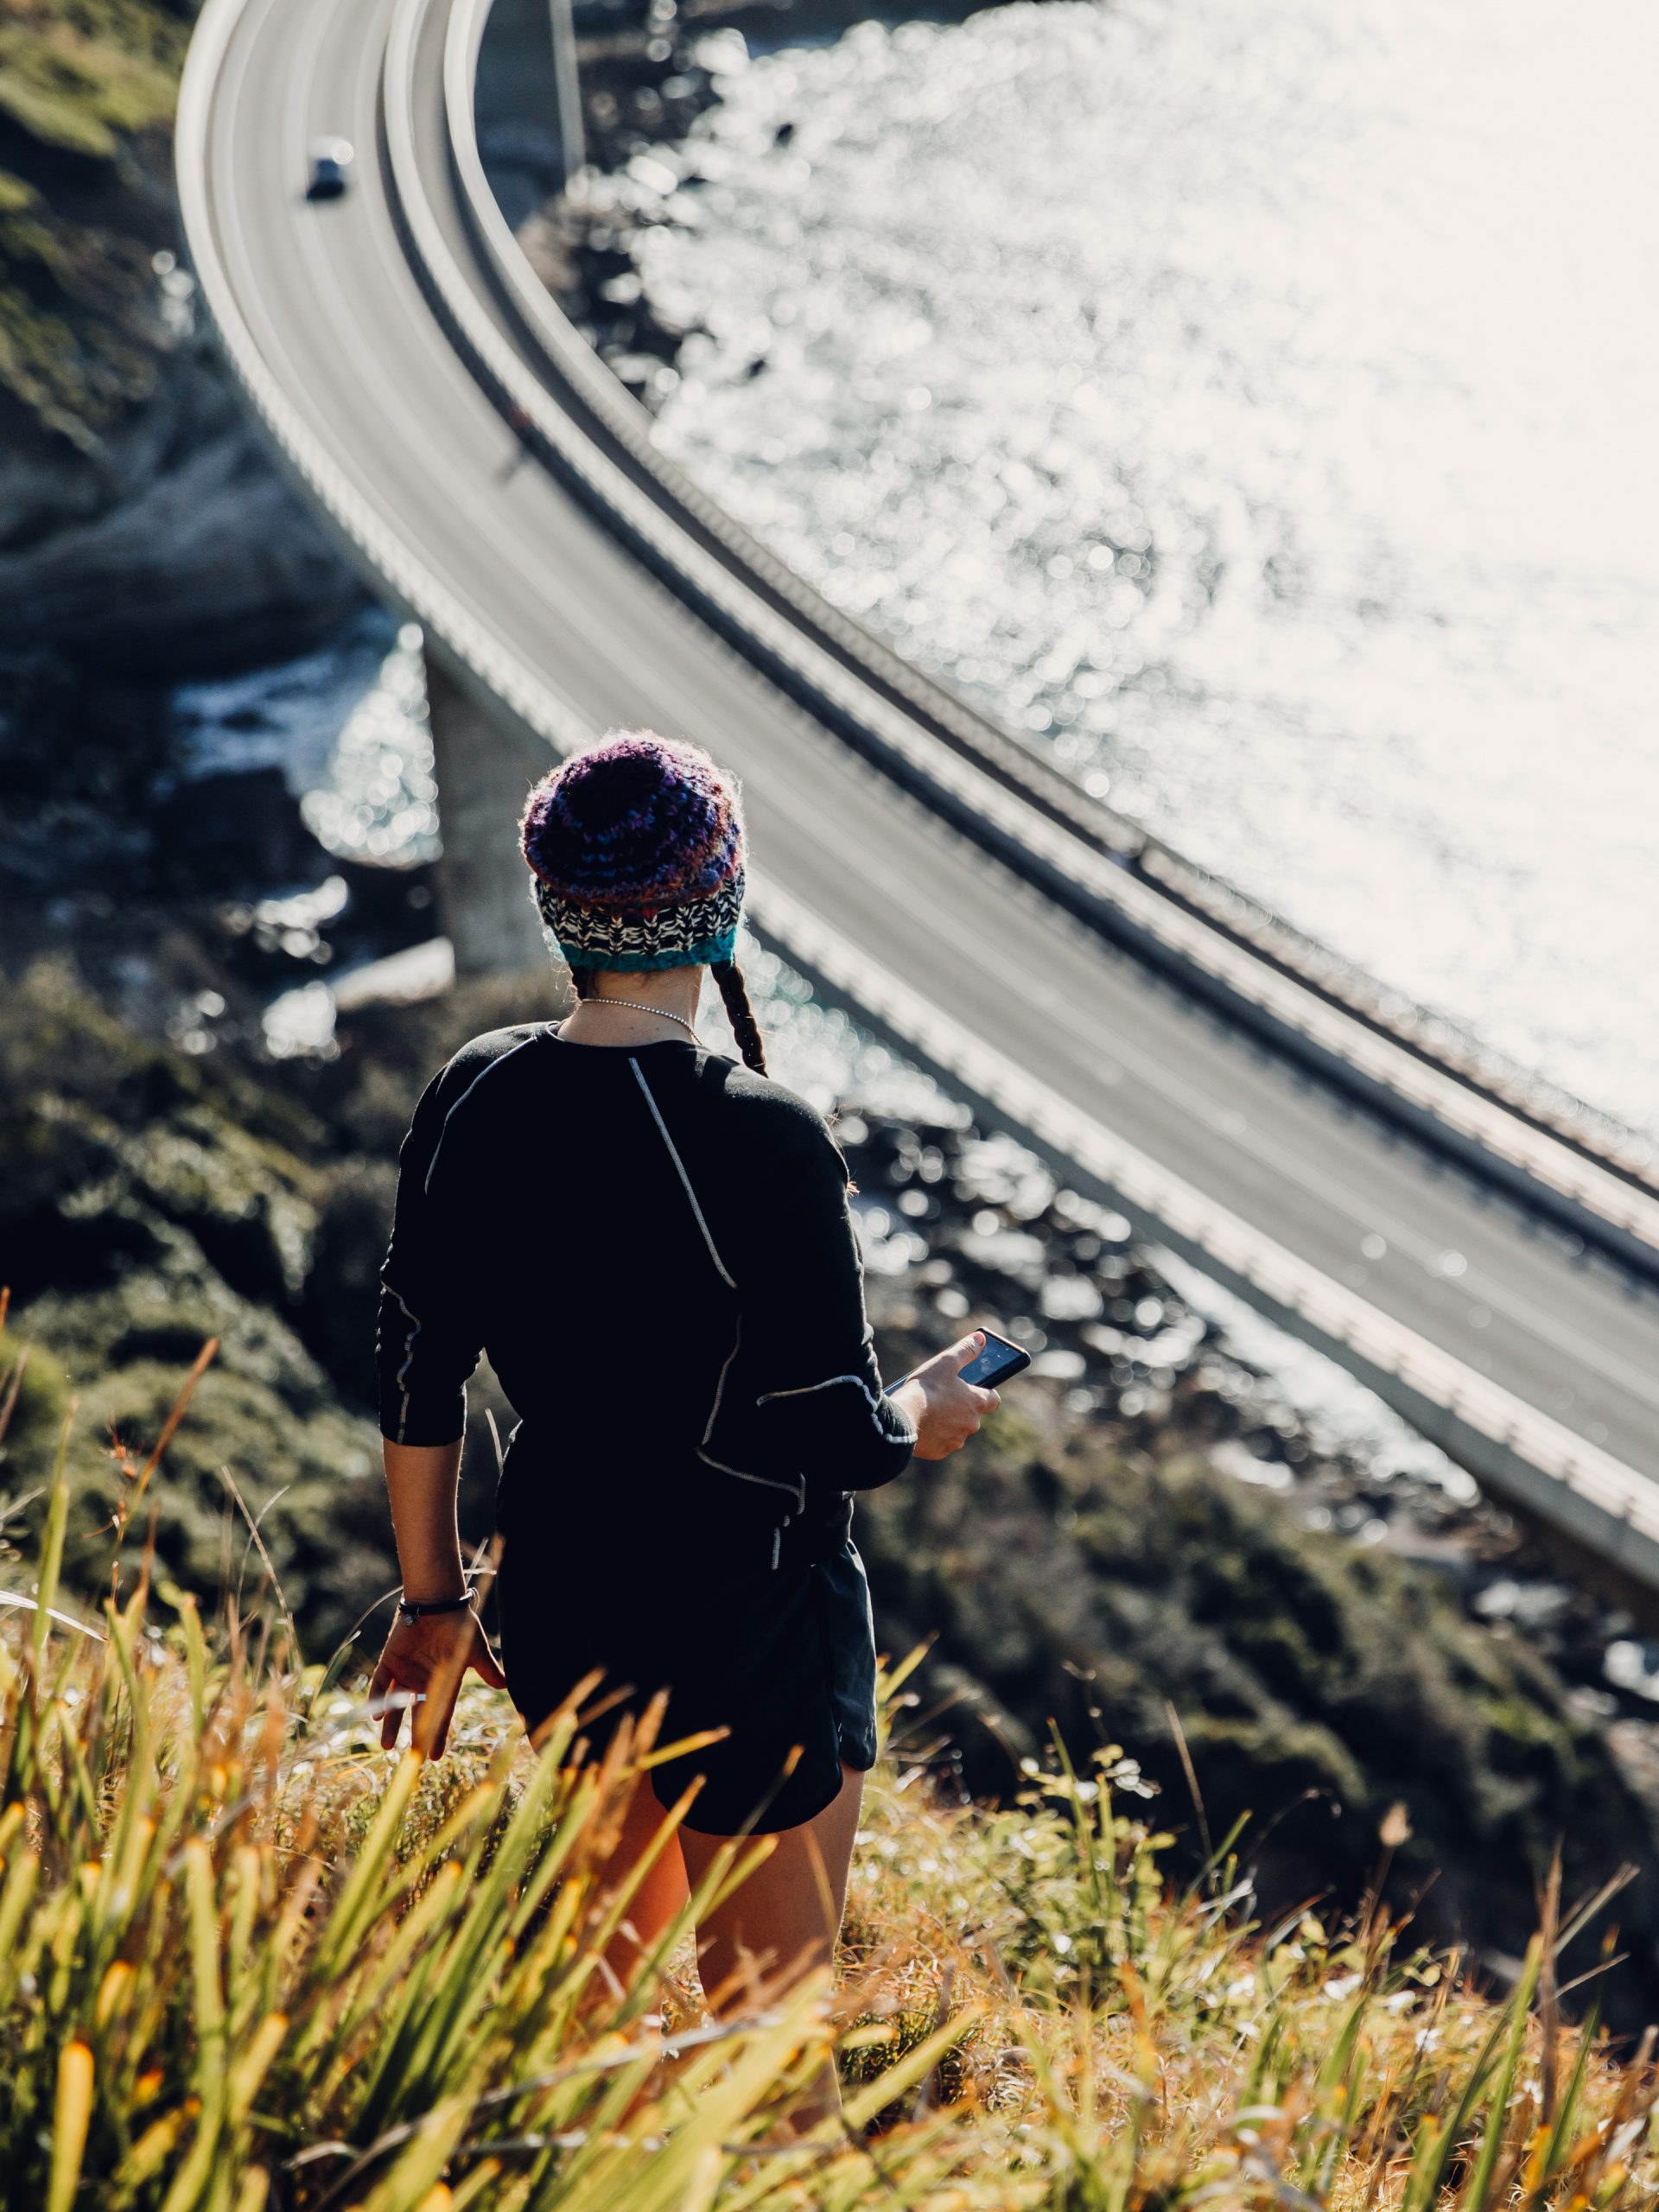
x,y
1254,401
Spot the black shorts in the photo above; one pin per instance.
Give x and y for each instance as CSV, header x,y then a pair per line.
x,y
783,1660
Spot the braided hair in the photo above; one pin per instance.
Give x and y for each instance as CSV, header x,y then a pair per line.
x,y
734,997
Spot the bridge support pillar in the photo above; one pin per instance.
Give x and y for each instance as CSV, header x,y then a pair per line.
x,y
483,774
528,103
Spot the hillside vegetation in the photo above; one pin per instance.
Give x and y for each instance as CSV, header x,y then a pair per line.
x,y
248,1959
150,1200
86,93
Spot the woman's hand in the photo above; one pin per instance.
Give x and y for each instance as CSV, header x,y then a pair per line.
x,y
424,1660
946,1409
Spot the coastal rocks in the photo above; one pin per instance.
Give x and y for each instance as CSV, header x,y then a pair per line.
x,y
223,832
143,1209
80,762
203,561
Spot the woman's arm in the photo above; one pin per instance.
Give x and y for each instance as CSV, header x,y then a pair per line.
x,y
423,1482
819,1412
428,1345
425,1659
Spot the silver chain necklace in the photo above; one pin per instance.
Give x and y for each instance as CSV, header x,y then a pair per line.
x,y
639,1006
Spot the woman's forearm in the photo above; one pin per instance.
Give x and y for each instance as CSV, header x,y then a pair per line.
x,y
911,1401
422,1481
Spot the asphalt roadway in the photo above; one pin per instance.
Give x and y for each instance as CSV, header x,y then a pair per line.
x,y
342,324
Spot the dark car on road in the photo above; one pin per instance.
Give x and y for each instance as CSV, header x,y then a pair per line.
x,y
331,168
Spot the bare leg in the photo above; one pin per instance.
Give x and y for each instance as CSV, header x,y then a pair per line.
x,y
784,1920
660,1898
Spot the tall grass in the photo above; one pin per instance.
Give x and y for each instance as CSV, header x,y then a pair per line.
x,y
248,1959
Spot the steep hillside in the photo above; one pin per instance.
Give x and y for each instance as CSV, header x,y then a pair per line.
x,y
1072,1564
144,536
86,93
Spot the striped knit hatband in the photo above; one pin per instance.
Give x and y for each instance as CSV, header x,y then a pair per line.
x,y
636,846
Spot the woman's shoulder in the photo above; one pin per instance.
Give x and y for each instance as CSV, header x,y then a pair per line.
x,y
765,1116
479,1055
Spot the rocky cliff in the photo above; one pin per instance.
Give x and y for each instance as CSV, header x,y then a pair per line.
x,y
143,532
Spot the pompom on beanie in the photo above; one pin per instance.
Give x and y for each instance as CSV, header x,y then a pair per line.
x,y
636,850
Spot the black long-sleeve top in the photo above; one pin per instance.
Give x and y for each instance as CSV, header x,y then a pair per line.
x,y
655,1250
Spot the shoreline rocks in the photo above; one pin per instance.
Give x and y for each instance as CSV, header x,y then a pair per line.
x,y
202,560
1087,1562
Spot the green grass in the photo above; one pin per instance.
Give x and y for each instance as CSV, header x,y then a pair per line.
x,y
80,76
247,1959
87,97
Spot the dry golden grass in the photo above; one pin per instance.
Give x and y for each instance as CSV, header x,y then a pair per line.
x,y
246,1958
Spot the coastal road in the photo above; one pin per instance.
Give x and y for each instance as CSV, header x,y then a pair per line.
x,y
446,508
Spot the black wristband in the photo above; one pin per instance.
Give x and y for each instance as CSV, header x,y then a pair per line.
x,y
408,1610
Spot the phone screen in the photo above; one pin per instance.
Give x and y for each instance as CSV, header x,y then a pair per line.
x,y
996,1362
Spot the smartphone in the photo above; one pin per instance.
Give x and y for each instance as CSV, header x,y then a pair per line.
x,y
999,1360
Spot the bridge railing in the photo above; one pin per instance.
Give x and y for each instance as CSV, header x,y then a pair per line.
x,y
979,779
1523,1455
1003,754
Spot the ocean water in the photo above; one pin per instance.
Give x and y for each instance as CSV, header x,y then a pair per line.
x,y
1254,402
1250,400
348,726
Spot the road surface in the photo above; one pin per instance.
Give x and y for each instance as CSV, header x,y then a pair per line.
x,y
523,571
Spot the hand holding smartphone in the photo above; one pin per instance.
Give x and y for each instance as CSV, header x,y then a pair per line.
x,y
998,1361
947,1401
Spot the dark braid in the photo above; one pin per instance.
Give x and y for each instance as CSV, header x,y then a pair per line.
x,y
734,996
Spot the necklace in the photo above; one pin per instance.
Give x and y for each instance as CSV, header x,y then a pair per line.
x,y
639,1006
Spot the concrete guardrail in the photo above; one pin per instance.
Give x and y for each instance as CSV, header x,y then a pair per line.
x,y
1527,1458
674,524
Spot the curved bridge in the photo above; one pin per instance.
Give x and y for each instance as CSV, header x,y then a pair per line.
x,y
1488,1272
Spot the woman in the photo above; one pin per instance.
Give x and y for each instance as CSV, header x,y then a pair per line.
x,y
654,1247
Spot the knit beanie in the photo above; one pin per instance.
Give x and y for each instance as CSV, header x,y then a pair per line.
x,y
636,851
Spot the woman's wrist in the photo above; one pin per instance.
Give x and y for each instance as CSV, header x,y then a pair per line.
x,y
416,1609
911,1399
436,1587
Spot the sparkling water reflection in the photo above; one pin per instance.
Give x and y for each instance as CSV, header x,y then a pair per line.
x,y
347,724
378,799
1252,403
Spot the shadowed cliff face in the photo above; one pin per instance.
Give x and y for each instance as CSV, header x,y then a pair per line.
x,y
199,561
144,534
1089,1565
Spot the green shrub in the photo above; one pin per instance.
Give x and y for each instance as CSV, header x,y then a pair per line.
x,y
247,1959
